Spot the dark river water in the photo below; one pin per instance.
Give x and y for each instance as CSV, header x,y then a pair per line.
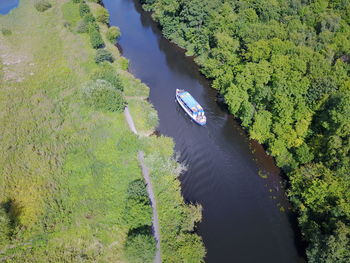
x,y
7,5
246,217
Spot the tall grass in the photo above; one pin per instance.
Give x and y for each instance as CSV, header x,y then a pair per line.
x,y
65,167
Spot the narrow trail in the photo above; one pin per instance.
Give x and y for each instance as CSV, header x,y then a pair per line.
x,y
145,173
130,120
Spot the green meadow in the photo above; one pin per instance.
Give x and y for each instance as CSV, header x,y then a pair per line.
x,y
70,186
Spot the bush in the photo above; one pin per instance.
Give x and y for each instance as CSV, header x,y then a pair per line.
x,y
140,248
82,27
102,15
77,1
42,5
108,73
6,31
137,191
103,55
96,39
84,9
93,26
124,63
113,34
101,95
89,18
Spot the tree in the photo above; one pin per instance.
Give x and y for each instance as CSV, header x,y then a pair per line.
x,y
101,95
113,34
102,15
260,130
140,248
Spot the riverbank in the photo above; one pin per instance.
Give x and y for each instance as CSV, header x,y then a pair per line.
x,y
68,170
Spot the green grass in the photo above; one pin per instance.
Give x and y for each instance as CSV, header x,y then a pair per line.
x,y
64,167
144,115
71,13
61,168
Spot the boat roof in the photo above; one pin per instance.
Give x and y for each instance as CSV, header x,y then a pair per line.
x,y
190,101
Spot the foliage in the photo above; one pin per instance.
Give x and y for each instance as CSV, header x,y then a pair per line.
x,y
42,5
77,1
113,33
283,69
93,26
106,72
89,18
140,247
100,94
177,220
71,13
102,15
103,55
82,26
6,31
148,121
138,212
96,40
84,9
137,191
65,167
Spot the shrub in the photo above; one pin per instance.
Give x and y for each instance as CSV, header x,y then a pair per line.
x,y
113,34
137,191
89,18
140,248
137,214
84,9
6,31
93,26
77,1
102,15
101,95
124,63
103,55
82,27
42,5
108,73
96,39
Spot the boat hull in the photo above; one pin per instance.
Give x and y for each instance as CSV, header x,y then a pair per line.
x,y
201,123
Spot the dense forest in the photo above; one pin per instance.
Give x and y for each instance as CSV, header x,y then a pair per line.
x,y
283,68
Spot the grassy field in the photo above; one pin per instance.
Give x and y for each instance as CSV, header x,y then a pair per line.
x,y
65,168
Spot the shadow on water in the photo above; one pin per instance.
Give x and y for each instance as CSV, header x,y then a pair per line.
x,y
246,215
7,5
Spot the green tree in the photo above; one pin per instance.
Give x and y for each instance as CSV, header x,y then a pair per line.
x,y
261,129
102,15
101,95
113,33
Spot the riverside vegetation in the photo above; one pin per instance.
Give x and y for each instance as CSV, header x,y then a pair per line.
x,y
283,69
71,188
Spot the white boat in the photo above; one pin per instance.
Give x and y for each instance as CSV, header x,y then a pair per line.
x,y
191,106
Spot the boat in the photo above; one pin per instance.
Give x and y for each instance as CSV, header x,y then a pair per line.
x,y
191,106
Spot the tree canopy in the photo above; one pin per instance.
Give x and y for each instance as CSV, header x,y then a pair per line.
x,y
283,68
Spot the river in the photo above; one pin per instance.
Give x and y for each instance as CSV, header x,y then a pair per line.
x,y
246,217
7,5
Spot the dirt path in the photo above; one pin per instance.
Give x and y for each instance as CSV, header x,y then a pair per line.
x,y
145,173
130,120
